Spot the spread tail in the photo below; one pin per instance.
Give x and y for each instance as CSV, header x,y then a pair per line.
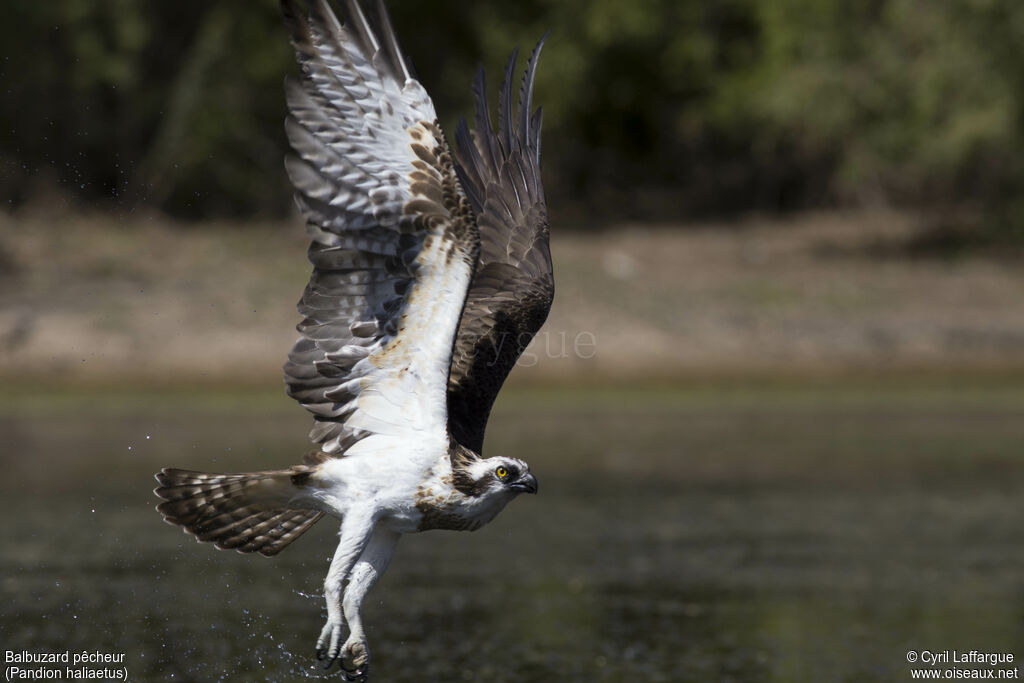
x,y
248,512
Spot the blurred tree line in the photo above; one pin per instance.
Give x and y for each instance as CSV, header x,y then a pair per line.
x,y
653,109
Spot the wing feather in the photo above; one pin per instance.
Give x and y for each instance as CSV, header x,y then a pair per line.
x,y
394,241
513,284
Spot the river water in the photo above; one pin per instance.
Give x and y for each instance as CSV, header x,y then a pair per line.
x,y
679,535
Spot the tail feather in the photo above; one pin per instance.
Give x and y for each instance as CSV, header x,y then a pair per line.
x,y
248,512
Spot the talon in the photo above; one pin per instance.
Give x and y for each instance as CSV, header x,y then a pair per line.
x,y
331,658
356,653
357,674
328,645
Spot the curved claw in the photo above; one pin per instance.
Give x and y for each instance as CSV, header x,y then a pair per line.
x,y
355,652
358,674
330,660
328,645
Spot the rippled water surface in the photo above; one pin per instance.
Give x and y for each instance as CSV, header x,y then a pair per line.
x,y
777,534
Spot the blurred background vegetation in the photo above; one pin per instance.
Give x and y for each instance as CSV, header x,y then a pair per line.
x,y
660,110
810,432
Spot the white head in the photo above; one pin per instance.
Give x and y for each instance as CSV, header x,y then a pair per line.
x,y
497,476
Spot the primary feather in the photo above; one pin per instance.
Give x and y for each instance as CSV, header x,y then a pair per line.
x,y
394,238
513,283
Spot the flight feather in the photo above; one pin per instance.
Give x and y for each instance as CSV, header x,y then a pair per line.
x,y
513,283
394,240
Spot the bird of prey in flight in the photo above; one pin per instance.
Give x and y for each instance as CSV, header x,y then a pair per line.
x,y
431,274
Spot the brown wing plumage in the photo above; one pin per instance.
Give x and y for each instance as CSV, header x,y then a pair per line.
x,y
245,511
513,285
393,238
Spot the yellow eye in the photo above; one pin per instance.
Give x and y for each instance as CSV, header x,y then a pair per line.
x,y
501,472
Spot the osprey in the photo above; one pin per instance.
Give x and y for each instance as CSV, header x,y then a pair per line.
x,y
431,274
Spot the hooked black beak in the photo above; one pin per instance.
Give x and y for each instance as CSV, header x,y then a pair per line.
x,y
525,484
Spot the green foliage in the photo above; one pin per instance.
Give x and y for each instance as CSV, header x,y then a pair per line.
x,y
917,102
652,108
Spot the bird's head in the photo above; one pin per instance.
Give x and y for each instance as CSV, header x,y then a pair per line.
x,y
498,475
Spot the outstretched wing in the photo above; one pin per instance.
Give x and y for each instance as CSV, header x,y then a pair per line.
x,y
513,285
394,239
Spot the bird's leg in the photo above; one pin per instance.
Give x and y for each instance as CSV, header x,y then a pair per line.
x,y
355,655
354,535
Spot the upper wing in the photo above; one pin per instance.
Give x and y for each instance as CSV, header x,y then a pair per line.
x,y
513,285
394,240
